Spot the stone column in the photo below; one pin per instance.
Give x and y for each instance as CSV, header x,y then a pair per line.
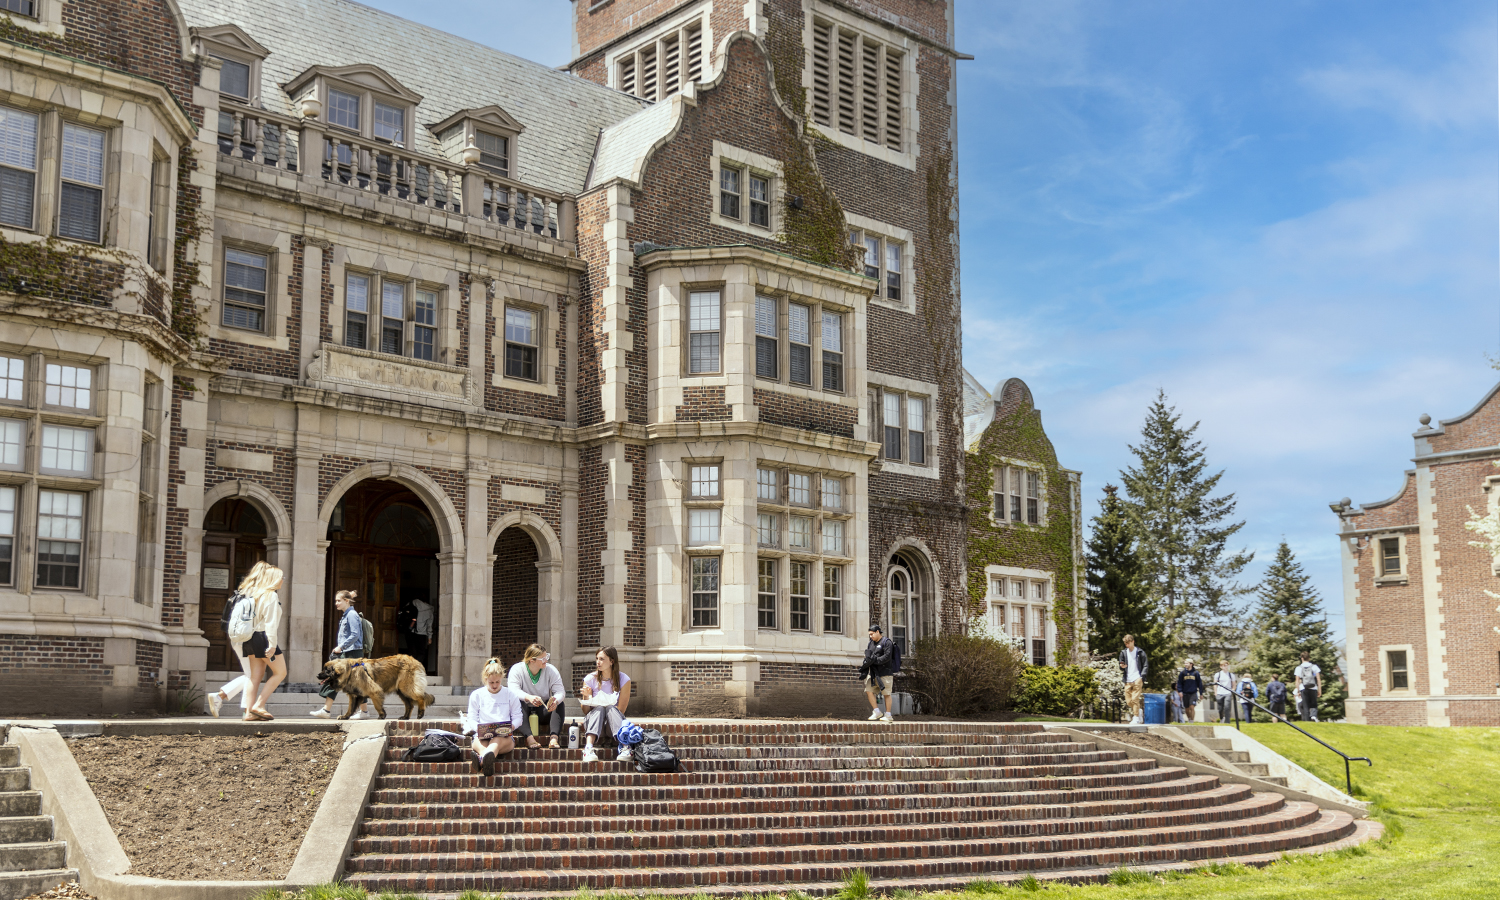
x,y
566,613
305,610
618,539
478,603
452,575
313,250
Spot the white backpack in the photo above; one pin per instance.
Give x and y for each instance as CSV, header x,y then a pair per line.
x,y
242,620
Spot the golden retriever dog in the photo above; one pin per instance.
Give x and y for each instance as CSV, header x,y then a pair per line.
x,y
372,679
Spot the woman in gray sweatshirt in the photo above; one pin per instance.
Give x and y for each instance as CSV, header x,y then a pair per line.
x,y
540,687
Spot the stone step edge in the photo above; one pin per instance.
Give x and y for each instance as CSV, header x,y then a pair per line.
x,y
1327,821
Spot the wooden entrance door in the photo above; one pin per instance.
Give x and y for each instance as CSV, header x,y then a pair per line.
x,y
377,578
226,562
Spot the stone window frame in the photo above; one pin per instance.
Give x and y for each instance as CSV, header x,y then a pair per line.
x,y
36,170
375,311
547,306
718,550
886,232
455,133
30,480
1377,545
816,307
1386,670
539,332
273,297
1009,576
817,12
679,23
233,43
878,387
813,556
687,290
46,19
150,498
749,163
1006,464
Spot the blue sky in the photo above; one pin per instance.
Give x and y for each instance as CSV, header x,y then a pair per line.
x,y
1284,215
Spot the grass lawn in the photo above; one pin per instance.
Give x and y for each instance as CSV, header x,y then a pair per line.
x,y
1437,790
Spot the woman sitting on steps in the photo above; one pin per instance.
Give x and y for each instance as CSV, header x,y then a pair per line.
x,y
607,683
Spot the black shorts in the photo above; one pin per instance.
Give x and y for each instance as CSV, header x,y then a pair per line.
x,y
1189,699
256,647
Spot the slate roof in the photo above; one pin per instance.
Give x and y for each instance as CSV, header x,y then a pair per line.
x,y
562,113
624,145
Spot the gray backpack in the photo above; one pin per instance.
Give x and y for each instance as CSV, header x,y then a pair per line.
x,y
242,619
367,633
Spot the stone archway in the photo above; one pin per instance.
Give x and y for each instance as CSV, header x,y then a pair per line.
x,y
544,558
516,581
239,524
909,597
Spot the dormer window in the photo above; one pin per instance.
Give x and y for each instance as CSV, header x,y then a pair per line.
x,y
239,57
362,98
494,152
343,110
390,122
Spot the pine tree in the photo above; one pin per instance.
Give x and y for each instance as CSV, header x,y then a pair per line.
x,y
1118,602
1181,533
1289,618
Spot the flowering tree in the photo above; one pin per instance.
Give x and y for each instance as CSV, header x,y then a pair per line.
x,y
1487,527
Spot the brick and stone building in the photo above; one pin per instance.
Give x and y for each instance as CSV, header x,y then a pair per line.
x,y
660,351
1422,647
1026,562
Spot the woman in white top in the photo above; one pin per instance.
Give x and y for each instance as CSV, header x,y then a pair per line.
x,y
540,687
261,650
494,714
606,683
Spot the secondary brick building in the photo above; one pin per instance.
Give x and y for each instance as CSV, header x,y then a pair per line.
x,y
1422,648
659,352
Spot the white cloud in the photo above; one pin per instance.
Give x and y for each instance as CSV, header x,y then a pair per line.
x,y
1447,95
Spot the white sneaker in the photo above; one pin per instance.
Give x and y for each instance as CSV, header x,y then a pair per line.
x,y
1135,720
320,713
874,715
215,703
358,714
887,718
589,756
624,755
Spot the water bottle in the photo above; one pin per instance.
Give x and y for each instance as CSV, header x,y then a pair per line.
x,y
573,737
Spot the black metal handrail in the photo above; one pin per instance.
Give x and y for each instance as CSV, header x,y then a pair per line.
x,y
1348,780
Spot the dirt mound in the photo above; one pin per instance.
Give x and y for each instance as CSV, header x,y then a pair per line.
x,y
193,807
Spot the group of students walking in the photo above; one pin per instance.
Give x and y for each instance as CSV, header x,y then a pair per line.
x,y
1188,689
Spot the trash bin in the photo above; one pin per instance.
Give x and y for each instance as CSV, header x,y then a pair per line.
x,y
1156,709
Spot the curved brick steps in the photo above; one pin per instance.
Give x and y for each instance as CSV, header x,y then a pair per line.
x,y
762,806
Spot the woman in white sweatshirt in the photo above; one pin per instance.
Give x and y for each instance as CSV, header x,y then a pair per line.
x,y
261,650
540,687
495,714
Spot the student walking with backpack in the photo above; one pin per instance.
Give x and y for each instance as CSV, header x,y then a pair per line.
x,y
1309,687
350,644
253,623
609,684
227,624
1276,696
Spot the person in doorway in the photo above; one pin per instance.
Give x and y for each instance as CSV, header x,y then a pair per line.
x,y
606,683
1190,686
261,650
1248,691
1224,683
495,713
1276,696
1309,687
350,644
540,686
876,673
419,630
1133,671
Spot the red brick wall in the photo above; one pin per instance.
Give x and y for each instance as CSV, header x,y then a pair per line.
x,y
174,552
550,512
1470,645
280,481
138,36
148,659
276,363
700,689
514,623
52,675
1408,713
600,26
803,689
704,404
592,478
1482,429
525,403
777,408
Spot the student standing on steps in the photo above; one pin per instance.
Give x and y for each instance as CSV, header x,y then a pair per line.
x,y
1190,685
495,714
609,684
1309,688
1224,683
540,687
1133,671
876,672
350,644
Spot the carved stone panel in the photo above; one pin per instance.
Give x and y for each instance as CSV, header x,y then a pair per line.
x,y
382,374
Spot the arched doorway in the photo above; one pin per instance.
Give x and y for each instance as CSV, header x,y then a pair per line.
x,y
908,598
384,544
234,540
516,586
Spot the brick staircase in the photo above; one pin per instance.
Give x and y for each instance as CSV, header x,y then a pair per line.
x,y
1234,760
769,806
30,860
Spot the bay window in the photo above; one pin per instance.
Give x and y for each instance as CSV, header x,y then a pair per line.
x,y
81,200
703,332
18,168
705,591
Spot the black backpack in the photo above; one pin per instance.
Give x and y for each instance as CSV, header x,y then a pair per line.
x,y
434,748
227,615
652,754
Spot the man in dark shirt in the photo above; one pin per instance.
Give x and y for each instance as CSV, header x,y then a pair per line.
x,y
1190,685
876,673
1276,696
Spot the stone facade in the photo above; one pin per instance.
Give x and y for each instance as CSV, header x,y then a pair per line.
x,y
515,343
1423,649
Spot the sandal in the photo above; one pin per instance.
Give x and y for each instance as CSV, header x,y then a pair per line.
x,y
532,744
552,744
262,716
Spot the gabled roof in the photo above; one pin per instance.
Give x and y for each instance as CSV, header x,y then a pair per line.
x,y
232,36
491,115
562,114
625,146
362,74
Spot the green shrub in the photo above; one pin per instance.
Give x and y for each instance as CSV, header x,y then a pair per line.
x,y
1060,691
963,674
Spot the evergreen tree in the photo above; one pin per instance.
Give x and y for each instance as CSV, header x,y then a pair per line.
x,y
1181,534
1289,618
1118,602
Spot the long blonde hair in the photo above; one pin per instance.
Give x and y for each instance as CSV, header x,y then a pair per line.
x,y
263,579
